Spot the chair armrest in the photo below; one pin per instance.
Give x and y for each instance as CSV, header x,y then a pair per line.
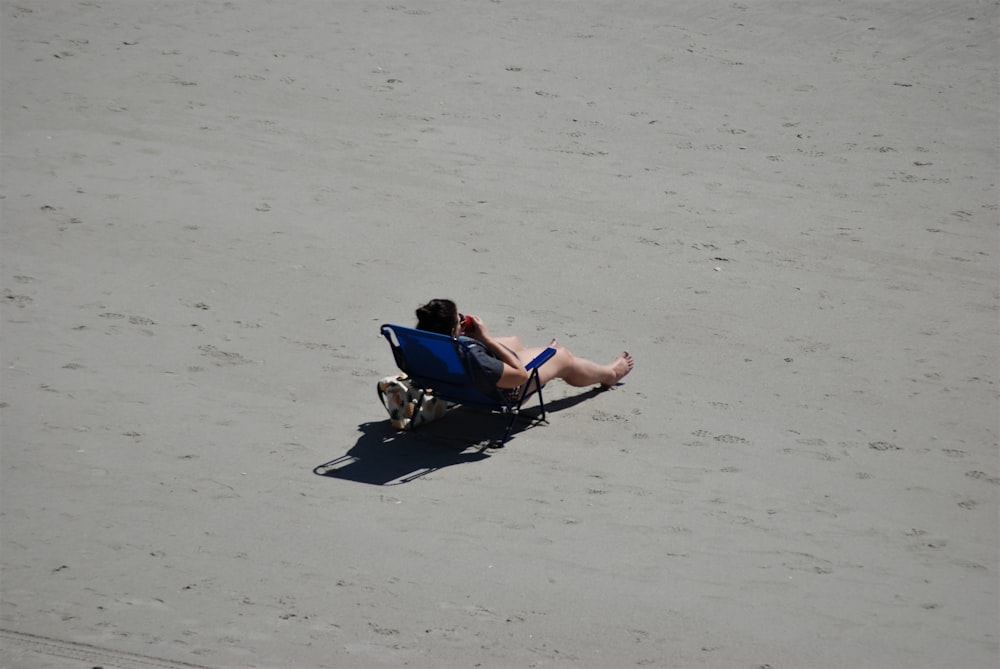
x,y
541,358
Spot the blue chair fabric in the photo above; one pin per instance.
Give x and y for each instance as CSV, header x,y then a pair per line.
x,y
434,363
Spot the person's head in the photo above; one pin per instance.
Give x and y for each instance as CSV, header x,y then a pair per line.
x,y
439,316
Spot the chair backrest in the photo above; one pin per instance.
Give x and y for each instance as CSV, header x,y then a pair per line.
x,y
432,360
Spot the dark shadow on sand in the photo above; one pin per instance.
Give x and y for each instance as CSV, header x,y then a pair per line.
x,y
385,456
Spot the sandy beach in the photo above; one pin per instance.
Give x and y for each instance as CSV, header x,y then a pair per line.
x,y
786,211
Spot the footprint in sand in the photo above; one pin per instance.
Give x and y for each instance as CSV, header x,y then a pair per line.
x,y
20,301
983,476
883,446
223,357
603,416
806,562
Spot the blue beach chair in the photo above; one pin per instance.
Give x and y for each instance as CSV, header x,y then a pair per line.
x,y
434,363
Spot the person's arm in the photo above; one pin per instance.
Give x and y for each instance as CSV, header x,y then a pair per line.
x,y
514,374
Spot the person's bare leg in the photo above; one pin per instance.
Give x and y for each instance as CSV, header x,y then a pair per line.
x,y
585,372
581,372
513,343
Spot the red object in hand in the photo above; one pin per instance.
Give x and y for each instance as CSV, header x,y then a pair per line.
x,y
468,322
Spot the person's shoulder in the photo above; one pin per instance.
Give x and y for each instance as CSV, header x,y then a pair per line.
x,y
474,346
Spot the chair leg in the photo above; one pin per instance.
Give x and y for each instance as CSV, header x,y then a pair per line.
x,y
510,429
516,411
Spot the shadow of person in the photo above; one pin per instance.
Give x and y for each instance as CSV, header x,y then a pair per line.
x,y
384,456
564,403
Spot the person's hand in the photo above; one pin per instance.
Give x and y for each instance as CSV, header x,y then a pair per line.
x,y
477,328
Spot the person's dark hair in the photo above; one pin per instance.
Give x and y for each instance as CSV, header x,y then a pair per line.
x,y
437,316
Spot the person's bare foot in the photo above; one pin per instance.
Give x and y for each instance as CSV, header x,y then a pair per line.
x,y
621,365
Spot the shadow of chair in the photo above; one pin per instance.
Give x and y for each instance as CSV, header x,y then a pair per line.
x,y
384,456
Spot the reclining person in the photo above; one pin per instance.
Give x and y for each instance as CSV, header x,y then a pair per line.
x,y
498,362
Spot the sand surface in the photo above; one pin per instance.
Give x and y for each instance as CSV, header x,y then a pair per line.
x,y
787,211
